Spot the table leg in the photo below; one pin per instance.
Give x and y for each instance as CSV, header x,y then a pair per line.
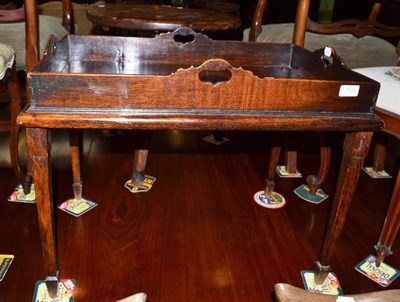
x,y
355,149
39,152
390,226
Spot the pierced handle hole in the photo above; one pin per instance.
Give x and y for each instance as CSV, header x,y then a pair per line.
x,y
215,77
184,39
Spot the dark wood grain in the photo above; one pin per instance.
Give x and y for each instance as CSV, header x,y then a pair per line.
x,y
267,83
160,18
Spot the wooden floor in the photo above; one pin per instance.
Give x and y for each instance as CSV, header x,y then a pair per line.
x,y
197,235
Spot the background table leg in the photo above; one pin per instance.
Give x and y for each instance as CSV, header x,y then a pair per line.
x,y
355,149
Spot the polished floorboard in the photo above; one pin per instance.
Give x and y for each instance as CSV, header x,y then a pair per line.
x,y
197,235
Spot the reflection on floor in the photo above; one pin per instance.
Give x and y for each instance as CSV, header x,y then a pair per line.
x,y
197,235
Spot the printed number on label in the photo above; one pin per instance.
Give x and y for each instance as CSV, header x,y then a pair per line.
x,y
349,90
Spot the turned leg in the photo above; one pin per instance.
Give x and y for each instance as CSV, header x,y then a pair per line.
x,y
139,166
315,182
74,143
273,162
15,108
390,226
355,148
39,152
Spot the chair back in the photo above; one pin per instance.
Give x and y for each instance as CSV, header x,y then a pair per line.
x,y
32,29
10,13
358,28
20,25
288,293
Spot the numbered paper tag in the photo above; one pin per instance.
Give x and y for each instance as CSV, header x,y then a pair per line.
x,y
5,262
275,201
19,196
349,90
145,186
376,174
281,171
211,139
304,193
330,286
77,207
383,275
65,291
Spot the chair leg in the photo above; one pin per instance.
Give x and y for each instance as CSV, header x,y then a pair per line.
x,y
74,145
14,91
315,182
218,136
138,178
390,227
379,157
140,161
378,164
273,162
290,155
